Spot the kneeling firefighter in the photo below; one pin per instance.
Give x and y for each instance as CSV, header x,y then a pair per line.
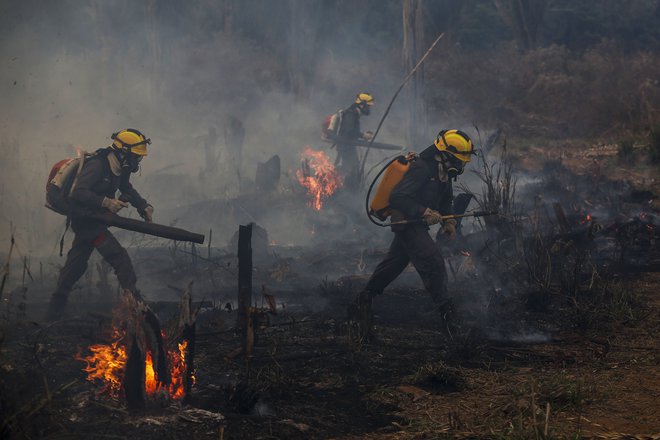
x,y
93,191
420,199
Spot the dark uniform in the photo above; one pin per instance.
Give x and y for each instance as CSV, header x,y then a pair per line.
x,y
347,160
96,181
419,189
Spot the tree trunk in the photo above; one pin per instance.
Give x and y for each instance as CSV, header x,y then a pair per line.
x,y
413,48
301,46
153,49
227,17
524,17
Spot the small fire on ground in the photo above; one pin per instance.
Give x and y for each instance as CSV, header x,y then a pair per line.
x,y
106,365
587,219
319,176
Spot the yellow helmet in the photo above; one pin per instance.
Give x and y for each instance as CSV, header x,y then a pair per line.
x,y
364,98
456,143
131,141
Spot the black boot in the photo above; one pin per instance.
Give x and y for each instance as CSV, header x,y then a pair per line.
x,y
447,317
57,306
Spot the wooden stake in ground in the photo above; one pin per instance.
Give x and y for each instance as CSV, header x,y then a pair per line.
x,y
6,268
244,275
561,217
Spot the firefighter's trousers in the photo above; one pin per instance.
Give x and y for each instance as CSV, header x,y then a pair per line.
x,y
90,236
413,245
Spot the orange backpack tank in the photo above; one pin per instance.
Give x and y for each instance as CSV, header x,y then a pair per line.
x,y
394,172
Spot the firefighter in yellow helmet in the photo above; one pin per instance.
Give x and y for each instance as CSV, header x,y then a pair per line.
x,y
104,172
421,198
344,127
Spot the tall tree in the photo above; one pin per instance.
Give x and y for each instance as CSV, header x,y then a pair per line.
x,y
413,48
524,17
302,45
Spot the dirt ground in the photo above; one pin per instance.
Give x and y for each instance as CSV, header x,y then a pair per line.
x,y
575,367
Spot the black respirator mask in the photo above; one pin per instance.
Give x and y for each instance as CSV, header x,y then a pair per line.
x,y
130,163
364,108
453,166
133,162
454,170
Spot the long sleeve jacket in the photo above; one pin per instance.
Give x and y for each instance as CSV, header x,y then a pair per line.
x,y
349,127
419,189
96,181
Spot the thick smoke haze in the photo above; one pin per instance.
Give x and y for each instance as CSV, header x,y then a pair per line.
x,y
71,74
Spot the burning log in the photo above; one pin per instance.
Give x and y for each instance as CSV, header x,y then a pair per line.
x,y
146,346
187,324
137,363
134,376
319,176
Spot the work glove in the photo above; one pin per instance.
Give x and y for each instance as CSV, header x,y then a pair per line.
x,y
431,217
449,228
147,213
113,205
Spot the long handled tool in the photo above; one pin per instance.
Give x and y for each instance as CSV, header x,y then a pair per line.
x,y
364,143
147,228
444,217
387,110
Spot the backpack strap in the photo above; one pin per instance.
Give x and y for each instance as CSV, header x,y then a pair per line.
x,y
81,161
66,228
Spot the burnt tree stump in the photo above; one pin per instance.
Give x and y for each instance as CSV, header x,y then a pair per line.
x,y
244,276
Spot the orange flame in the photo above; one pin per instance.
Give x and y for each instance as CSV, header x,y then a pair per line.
x,y
587,219
319,176
106,364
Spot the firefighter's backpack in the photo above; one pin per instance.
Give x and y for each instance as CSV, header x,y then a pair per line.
x,y
61,181
330,126
394,171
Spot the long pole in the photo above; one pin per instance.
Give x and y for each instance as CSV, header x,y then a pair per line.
x,y
445,217
387,110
